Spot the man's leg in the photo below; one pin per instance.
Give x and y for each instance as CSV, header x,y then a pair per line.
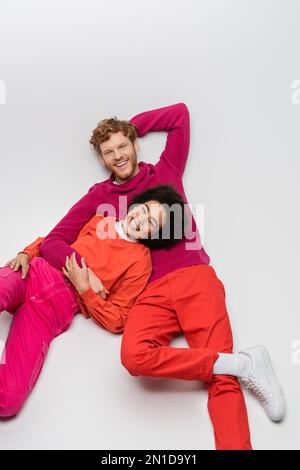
x,y
47,311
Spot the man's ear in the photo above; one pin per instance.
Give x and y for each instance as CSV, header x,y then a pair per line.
x,y
136,146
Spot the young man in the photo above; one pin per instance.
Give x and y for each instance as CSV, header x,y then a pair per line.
x,y
44,303
183,293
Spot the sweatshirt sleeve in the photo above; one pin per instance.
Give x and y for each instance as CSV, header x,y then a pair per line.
x,y
33,249
112,312
56,245
174,119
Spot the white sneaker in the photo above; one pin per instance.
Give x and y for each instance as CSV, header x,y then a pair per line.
x,y
262,382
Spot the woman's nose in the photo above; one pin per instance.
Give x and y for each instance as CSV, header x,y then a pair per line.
x,y
139,219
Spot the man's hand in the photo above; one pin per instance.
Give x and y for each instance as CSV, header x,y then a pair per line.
x,y
77,275
20,261
96,285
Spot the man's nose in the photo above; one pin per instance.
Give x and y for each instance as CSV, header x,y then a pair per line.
x,y
118,155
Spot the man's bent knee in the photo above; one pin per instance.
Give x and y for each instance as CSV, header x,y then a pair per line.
x,y
10,404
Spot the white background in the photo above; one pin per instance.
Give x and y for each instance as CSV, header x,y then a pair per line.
x,y
66,65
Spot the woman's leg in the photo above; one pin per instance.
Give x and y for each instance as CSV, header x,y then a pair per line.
x,y
151,324
48,310
202,314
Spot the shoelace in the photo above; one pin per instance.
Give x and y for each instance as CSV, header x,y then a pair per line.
x,y
254,387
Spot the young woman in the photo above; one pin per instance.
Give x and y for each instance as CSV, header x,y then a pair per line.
x,y
116,266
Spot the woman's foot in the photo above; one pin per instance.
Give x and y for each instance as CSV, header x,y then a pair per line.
x,y
260,379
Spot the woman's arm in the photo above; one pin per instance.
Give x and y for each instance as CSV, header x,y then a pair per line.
x,y
112,313
56,245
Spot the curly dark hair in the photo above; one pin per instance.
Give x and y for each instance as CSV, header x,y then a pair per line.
x,y
167,195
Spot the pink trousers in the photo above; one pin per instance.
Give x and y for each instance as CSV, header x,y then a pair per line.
x,y
43,306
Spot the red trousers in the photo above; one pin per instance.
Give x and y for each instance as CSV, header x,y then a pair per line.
x,y
189,300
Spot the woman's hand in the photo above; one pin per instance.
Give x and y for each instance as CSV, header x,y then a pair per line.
x,y
20,261
77,275
96,285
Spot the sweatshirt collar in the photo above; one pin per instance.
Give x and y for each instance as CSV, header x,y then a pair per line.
x,y
119,228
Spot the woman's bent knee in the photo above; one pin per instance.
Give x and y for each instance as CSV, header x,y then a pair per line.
x,y
135,359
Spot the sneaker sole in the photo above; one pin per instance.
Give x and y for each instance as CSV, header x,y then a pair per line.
x,y
273,379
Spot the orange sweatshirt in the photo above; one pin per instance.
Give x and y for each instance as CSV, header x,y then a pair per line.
x,y
123,266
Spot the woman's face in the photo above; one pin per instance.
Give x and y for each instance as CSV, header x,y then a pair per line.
x,y
144,220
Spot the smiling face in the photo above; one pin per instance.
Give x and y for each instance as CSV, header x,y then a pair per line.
x,y
144,220
119,155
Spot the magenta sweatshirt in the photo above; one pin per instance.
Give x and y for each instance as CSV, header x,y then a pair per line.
x,y
168,170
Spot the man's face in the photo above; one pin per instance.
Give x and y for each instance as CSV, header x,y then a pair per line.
x,y
144,220
119,155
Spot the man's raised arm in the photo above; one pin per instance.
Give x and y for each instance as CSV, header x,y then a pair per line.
x,y
175,120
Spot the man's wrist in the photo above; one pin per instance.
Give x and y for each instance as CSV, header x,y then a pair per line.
x,y
23,253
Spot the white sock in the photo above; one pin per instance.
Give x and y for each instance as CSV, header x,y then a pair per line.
x,y
245,363
237,365
226,364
